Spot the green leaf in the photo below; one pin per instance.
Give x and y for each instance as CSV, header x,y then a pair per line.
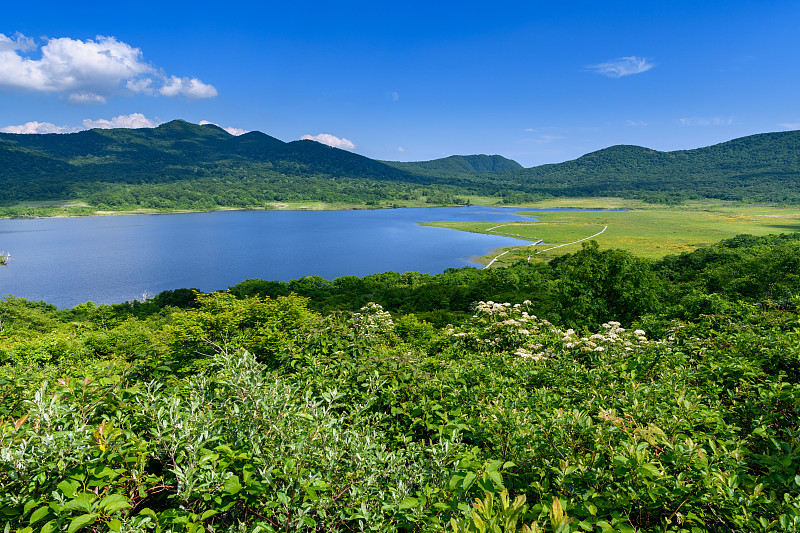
x,y
208,514
49,527
454,481
38,514
409,503
468,479
232,485
321,484
69,488
30,504
312,494
114,525
496,478
81,522
104,472
113,503
649,469
80,503
148,512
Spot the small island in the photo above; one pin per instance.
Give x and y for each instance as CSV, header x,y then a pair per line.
x,y
4,257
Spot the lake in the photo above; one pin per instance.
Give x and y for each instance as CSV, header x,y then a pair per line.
x,y
66,261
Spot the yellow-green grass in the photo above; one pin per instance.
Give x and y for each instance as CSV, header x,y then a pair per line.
x,y
651,232
64,204
51,208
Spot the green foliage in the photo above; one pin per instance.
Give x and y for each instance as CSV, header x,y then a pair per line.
x,y
232,446
35,333
490,516
596,286
223,323
248,410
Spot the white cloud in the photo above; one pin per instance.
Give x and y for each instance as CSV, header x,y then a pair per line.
x,y
636,123
330,140
188,87
400,149
701,121
790,125
393,96
86,98
622,66
88,71
36,127
134,120
141,85
230,129
19,42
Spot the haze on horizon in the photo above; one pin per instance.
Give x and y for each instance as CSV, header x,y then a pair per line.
x,y
539,82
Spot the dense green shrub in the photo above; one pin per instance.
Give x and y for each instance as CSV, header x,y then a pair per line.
x,y
246,411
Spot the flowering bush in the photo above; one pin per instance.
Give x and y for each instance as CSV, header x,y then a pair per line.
x,y
511,329
372,321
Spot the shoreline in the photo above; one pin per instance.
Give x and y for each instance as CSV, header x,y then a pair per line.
x,y
312,206
601,203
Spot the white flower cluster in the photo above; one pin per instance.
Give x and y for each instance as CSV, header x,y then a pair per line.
x,y
372,320
506,328
613,336
502,327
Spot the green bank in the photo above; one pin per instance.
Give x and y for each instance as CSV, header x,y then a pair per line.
x,y
644,229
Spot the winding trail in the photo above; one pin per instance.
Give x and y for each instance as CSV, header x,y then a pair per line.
x,y
575,242
537,242
495,259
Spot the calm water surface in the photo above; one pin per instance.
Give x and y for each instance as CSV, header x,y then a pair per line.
x,y
66,261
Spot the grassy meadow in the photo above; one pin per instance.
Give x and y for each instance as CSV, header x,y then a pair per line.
x,y
645,230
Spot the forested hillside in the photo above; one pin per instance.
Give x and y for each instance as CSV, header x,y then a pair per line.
x,y
185,166
598,392
757,168
458,164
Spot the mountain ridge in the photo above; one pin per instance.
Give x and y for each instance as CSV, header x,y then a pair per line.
x,y
760,167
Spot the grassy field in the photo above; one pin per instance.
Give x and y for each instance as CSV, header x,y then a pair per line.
x,y
645,230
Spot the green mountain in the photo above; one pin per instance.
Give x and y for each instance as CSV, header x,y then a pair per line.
x,y
458,164
183,165
56,166
764,167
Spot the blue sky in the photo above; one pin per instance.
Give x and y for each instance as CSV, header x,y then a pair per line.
x,y
538,82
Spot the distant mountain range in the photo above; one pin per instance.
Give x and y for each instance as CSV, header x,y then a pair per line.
x,y
763,167
458,164
179,164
